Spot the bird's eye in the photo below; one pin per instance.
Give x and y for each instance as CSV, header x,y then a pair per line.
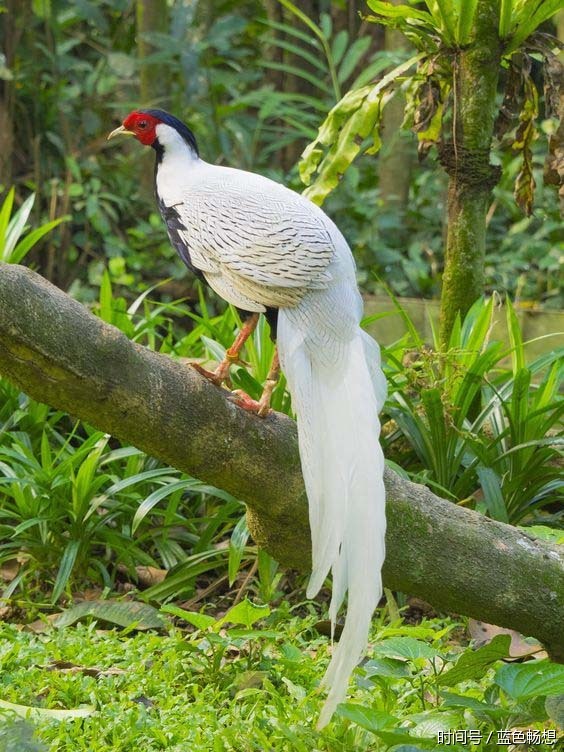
x,y
142,124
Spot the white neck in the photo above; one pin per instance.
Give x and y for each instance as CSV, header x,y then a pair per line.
x,y
177,160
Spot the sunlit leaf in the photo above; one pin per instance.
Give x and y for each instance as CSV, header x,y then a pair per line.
x,y
245,613
34,713
355,117
200,621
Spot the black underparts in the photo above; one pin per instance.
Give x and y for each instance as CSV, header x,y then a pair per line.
x,y
271,315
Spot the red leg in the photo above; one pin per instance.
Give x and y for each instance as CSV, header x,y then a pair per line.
x,y
232,355
221,373
262,407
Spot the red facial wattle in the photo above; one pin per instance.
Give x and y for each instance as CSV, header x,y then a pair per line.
x,y
143,126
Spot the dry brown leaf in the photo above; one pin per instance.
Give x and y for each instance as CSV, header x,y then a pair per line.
x,y
41,625
519,648
149,576
9,570
146,575
66,667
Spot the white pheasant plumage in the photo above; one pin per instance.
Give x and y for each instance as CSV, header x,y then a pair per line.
x,y
260,245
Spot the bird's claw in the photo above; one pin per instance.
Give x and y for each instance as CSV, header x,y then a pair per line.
x,y
242,399
218,377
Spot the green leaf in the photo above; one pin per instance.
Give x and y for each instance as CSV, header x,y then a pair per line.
x,y
41,8
430,722
105,311
122,613
248,680
245,613
387,667
200,621
406,647
32,238
473,663
465,21
531,17
532,679
505,15
515,337
154,498
349,141
180,579
46,714
304,18
479,708
555,709
402,11
365,717
5,213
340,42
267,569
16,227
66,566
393,738
445,18
352,57
493,495
550,534
352,119
237,543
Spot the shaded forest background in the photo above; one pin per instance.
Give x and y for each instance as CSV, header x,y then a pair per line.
x,y
254,83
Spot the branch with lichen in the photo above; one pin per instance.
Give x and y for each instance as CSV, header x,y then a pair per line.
x,y
56,351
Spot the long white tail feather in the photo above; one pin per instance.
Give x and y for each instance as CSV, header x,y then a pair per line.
x,y
337,386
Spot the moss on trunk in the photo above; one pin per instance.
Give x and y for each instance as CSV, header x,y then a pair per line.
x,y
59,353
467,162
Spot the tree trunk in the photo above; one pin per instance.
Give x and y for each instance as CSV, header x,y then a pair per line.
x,y
395,160
59,353
467,162
152,16
7,99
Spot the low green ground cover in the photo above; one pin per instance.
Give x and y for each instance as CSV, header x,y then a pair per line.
x,y
249,681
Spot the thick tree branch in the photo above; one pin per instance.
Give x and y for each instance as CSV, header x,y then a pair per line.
x,y
57,352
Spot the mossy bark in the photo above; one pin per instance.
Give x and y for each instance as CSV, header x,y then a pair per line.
x,y
59,353
467,162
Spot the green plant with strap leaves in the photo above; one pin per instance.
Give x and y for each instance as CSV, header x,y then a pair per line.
x,y
451,85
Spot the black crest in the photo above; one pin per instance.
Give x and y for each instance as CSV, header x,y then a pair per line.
x,y
178,126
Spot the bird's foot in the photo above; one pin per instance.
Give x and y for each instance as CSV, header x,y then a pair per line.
x,y
260,407
218,377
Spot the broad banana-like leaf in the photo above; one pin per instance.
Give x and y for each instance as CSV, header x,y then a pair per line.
x,y
349,123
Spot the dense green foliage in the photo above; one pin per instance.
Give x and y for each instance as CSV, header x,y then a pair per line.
x,y
253,87
480,422
475,425
242,688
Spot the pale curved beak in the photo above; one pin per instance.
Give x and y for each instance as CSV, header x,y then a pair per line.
x,y
121,131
